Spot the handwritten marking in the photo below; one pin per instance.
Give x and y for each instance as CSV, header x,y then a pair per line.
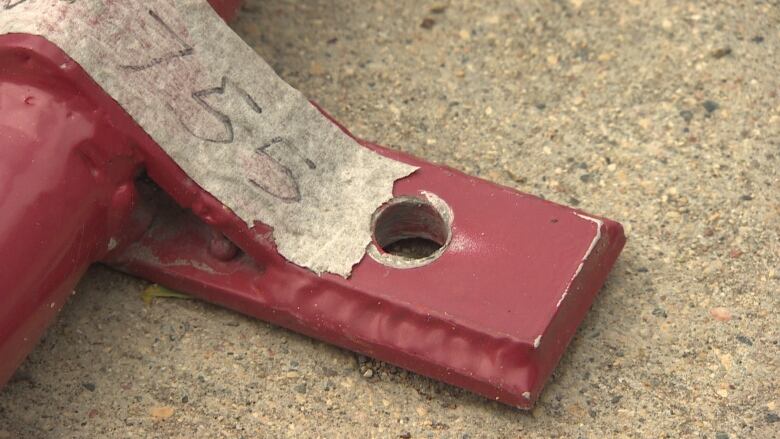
x,y
278,181
310,164
185,51
263,171
200,97
294,191
10,4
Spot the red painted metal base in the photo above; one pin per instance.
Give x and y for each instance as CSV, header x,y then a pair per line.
x,y
80,182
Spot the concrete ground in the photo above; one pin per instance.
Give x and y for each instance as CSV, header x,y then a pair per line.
x,y
663,115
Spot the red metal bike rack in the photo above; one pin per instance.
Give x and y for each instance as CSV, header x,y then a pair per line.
x,y
80,183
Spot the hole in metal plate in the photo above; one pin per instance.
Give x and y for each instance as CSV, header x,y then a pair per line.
x,y
410,231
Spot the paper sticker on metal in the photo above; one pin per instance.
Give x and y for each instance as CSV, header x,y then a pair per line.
x,y
226,119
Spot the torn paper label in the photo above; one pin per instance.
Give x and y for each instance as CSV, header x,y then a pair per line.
x,y
228,121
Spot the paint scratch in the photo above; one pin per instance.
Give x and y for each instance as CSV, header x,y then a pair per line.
x,y
593,243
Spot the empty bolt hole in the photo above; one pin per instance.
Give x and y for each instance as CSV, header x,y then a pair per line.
x,y
410,228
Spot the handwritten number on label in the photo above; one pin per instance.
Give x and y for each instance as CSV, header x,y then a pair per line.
x,y
278,180
261,169
264,171
10,4
186,49
276,140
286,188
200,97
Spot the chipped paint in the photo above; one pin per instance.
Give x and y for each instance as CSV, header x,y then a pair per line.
x,y
537,341
593,243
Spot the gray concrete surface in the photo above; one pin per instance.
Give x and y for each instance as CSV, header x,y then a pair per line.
x,y
661,114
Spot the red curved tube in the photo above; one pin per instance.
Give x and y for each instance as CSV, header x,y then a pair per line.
x,y
66,186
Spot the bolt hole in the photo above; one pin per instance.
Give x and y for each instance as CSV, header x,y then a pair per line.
x,y
411,229
412,248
